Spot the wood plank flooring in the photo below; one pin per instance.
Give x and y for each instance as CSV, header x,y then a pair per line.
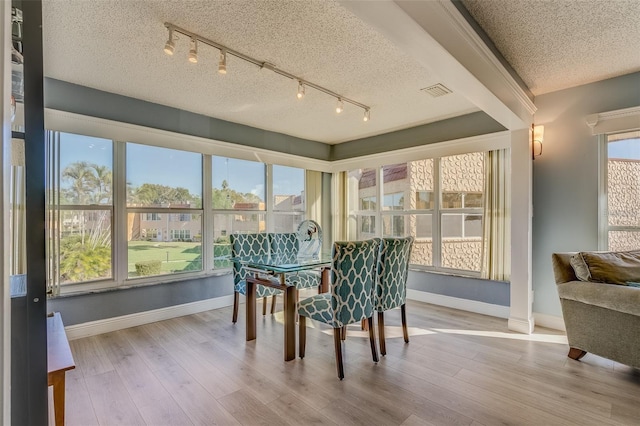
x,y
460,368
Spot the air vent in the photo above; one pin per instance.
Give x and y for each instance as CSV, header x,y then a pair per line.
x,y
437,90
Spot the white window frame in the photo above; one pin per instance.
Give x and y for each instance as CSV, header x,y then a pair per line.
x,y
603,197
65,122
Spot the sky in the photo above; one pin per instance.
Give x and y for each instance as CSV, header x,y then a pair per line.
x,y
626,148
148,164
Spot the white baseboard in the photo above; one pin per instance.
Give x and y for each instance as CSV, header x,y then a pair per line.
x,y
549,321
107,325
457,303
520,325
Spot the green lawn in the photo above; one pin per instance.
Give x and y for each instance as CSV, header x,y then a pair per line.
x,y
175,256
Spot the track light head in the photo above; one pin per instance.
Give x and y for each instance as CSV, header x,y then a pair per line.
x,y
193,53
170,45
339,106
222,65
367,115
300,94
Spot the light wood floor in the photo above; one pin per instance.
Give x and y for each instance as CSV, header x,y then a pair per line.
x,y
459,368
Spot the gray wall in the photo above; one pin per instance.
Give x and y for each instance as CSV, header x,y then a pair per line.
x,y
70,97
565,177
487,291
116,302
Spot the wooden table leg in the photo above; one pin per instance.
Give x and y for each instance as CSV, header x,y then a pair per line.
x,y
251,310
56,379
289,321
325,280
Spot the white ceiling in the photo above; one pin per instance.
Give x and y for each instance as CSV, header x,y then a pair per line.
x,y
116,46
555,45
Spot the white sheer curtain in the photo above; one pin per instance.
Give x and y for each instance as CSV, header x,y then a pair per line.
x,y
339,207
17,202
496,248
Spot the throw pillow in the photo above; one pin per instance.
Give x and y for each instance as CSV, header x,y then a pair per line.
x,y
607,267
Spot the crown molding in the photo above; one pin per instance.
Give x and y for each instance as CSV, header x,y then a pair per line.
x,y
614,121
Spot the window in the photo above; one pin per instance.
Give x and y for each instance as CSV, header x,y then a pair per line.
x,y
623,191
80,208
288,198
462,184
438,201
170,203
238,202
156,225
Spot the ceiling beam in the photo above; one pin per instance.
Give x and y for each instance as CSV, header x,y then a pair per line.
x,y
437,36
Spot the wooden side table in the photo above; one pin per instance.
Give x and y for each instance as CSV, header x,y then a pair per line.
x,y
59,361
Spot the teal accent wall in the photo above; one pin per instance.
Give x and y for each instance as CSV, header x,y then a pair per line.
x,y
64,96
565,177
474,124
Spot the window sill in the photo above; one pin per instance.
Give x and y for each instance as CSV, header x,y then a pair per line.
x,y
451,273
71,290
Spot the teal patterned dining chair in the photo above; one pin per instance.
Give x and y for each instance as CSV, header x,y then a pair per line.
x,y
354,273
247,245
286,244
391,291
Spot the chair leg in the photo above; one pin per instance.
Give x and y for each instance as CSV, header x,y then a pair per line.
x,y
236,301
405,331
575,353
364,325
343,334
302,332
372,339
383,345
273,304
264,306
337,340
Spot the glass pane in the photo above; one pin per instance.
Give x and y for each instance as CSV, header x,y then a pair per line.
x,y
238,184
366,227
162,177
86,165
362,187
228,223
286,222
408,186
394,225
85,245
420,227
462,178
623,179
624,240
288,189
461,241
163,243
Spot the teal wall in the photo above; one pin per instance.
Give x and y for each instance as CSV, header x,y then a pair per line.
x,y
565,177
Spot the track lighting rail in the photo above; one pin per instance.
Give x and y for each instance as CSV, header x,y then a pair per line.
x,y
263,64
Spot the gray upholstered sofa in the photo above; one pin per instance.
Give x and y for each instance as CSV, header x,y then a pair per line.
x,y
600,318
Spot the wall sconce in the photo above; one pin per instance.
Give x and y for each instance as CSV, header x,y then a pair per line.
x,y
537,137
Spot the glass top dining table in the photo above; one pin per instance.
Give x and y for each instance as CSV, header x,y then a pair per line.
x,y
280,265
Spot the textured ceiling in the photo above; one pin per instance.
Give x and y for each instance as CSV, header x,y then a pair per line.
x,y
555,45
116,46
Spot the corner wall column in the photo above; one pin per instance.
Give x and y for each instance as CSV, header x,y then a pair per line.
x,y
520,317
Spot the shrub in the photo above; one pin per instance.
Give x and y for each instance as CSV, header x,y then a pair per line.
x,y
148,267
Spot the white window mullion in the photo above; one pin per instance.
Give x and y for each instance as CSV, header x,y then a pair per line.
x,y
436,240
207,215
119,232
603,216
